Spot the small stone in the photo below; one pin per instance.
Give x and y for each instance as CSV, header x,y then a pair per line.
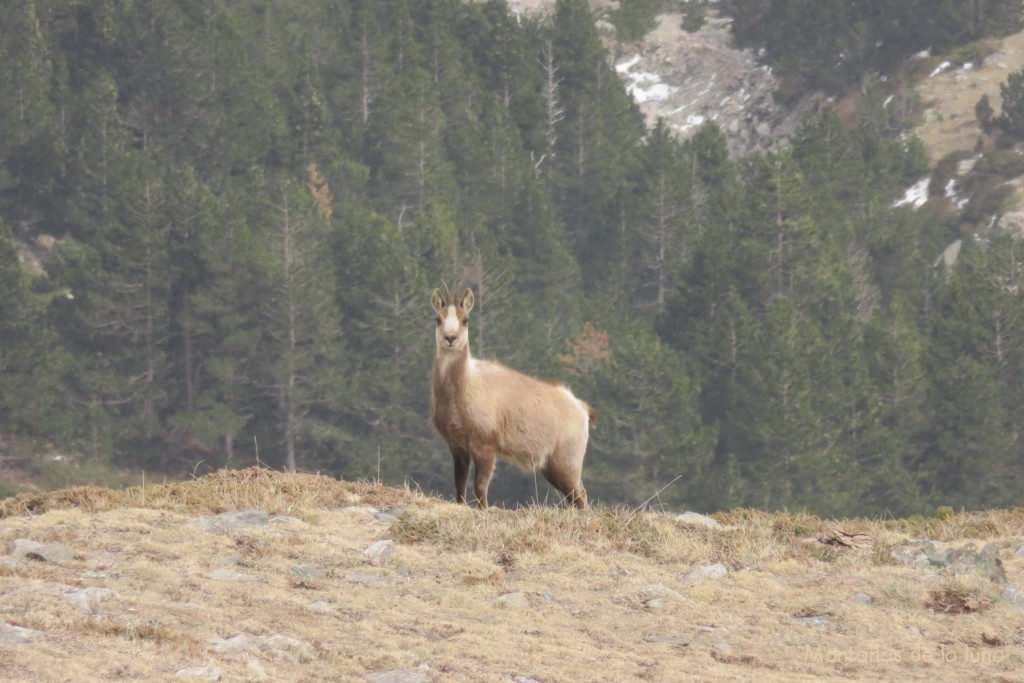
x,y
235,519
668,640
90,599
398,676
711,571
18,635
815,620
388,515
291,649
304,572
697,519
862,599
380,553
723,648
319,607
655,603
42,552
516,599
524,679
257,669
234,645
203,673
1014,596
285,519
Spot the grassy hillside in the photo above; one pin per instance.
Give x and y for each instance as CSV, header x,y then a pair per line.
x,y
156,588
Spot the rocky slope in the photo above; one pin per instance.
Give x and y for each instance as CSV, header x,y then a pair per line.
x,y
950,95
687,78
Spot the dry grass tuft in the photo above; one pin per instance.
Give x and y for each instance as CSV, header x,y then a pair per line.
x,y
252,488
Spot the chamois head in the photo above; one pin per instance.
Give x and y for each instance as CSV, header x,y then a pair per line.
x,y
452,333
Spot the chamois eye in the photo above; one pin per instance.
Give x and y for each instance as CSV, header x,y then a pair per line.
x,y
465,321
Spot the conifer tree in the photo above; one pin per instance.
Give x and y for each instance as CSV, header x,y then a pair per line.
x,y
301,343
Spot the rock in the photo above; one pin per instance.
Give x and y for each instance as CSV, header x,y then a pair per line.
x,y
303,572
257,669
45,242
18,635
697,519
291,649
965,166
669,640
986,562
966,559
276,646
688,78
723,648
516,599
524,679
1014,596
203,673
389,514
815,620
398,676
380,553
862,599
949,256
711,571
57,553
236,519
372,579
235,645
89,600
285,519
658,596
319,607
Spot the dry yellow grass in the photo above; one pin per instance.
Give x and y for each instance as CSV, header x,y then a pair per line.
x,y
602,594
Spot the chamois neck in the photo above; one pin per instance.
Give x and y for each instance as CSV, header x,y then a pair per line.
x,y
447,362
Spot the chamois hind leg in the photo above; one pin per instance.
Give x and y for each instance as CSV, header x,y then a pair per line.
x,y
461,459
483,467
568,480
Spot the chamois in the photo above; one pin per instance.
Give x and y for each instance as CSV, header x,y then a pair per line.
x,y
484,410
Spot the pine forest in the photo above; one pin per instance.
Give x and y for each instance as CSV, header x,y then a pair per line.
x,y
221,222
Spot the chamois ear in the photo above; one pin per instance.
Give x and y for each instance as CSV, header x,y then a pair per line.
x,y
467,300
437,301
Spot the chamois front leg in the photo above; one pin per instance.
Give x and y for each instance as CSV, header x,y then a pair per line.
x,y
483,466
461,459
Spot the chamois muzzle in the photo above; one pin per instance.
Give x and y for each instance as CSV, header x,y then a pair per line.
x,y
450,340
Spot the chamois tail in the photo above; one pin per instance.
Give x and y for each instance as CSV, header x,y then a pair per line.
x,y
590,412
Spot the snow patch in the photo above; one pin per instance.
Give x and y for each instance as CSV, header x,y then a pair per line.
x,y
628,64
916,195
692,121
642,85
939,69
951,192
